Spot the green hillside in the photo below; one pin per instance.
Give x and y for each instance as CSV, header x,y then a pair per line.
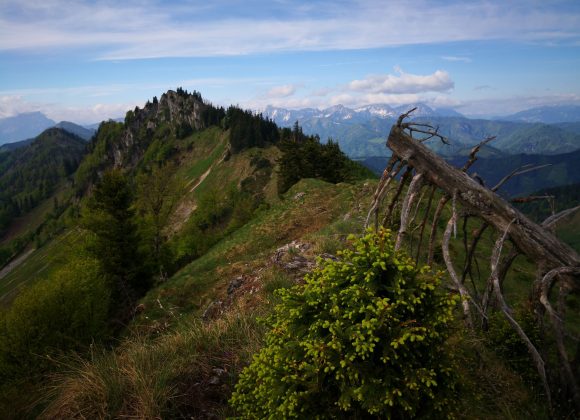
x,y
30,174
141,297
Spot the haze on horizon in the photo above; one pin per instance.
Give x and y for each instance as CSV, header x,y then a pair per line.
x,y
85,61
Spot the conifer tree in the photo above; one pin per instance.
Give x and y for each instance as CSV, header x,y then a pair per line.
x,y
115,243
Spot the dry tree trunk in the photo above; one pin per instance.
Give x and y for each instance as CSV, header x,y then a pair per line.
x,y
558,327
414,187
555,260
530,238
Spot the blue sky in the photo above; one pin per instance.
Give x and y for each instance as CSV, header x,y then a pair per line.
x,y
88,60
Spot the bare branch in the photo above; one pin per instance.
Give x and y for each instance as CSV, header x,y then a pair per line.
x,y
474,151
428,129
520,171
414,188
402,183
474,241
554,219
531,198
405,115
433,233
431,194
558,324
382,186
539,362
463,292
531,239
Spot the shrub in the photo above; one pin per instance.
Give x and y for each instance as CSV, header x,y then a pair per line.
x,y
63,313
363,336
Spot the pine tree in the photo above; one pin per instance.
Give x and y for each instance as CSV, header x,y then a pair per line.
x,y
115,243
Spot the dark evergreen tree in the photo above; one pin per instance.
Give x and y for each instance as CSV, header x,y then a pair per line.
x,y
115,243
305,157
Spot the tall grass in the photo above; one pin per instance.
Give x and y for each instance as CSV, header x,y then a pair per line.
x,y
188,373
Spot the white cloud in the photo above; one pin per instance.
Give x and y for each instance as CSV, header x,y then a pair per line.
x,y
456,58
400,89
281,91
133,29
92,114
404,83
11,105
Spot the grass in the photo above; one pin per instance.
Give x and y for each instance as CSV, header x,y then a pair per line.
x,y
188,373
39,265
174,365
209,144
489,388
249,248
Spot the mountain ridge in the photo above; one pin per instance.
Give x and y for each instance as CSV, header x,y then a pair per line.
x,y
23,126
362,132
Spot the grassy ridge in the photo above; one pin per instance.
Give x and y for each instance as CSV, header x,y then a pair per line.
x,y
175,365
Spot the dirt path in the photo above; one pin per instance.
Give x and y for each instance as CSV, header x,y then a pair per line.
x,y
201,179
15,263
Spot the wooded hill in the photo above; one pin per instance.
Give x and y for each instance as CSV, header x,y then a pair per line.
x,y
30,174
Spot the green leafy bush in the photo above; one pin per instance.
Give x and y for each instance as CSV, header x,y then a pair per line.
x,y
63,313
364,336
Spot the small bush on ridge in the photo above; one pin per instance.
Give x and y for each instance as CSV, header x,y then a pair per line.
x,y
364,336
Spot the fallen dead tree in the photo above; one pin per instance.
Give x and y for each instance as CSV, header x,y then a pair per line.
x,y
464,197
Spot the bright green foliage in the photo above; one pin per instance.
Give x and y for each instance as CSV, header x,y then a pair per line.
x,y
66,312
364,336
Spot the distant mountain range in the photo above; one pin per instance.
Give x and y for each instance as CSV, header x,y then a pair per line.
x,y
23,126
547,114
21,129
362,132
83,132
284,117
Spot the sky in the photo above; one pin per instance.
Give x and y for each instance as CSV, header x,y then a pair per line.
x,y
85,61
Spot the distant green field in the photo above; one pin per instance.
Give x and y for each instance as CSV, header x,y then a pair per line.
x,y
39,265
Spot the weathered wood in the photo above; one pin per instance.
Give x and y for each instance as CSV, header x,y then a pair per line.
x,y
382,188
414,188
558,324
494,277
466,299
530,238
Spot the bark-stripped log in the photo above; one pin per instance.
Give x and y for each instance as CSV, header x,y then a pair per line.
x,y
530,238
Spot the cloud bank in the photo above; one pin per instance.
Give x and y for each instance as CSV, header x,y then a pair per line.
x,y
395,89
130,30
404,83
